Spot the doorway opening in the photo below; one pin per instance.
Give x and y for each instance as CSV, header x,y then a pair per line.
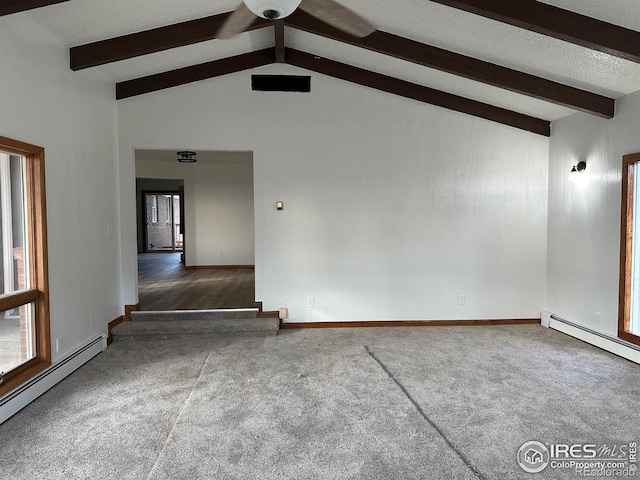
x,y
163,230
195,235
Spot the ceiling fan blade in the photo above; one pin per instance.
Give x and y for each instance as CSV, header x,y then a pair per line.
x,y
337,16
238,22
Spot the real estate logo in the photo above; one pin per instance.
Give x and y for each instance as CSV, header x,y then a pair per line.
x,y
533,457
583,459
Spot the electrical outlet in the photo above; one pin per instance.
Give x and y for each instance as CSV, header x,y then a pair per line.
x,y
310,302
58,345
462,300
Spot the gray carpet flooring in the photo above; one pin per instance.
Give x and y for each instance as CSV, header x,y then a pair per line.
x,y
383,403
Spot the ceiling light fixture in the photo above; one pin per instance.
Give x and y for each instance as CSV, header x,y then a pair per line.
x,y
272,9
187,157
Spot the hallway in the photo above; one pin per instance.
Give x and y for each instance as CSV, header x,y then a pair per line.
x,y
164,284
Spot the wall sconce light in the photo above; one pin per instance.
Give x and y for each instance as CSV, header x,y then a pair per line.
x,y
187,157
577,174
279,205
580,167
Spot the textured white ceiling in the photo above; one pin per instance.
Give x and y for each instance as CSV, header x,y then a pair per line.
x,y
625,13
508,46
82,21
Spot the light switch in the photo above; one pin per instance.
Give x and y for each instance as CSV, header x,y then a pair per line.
x,y
279,205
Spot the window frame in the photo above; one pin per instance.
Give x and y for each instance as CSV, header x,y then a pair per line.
x,y
38,294
169,206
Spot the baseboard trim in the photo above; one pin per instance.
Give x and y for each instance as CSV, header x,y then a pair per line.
x,y
111,325
217,267
268,314
130,308
409,323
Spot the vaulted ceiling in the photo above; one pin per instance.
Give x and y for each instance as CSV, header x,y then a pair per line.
x,y
523,63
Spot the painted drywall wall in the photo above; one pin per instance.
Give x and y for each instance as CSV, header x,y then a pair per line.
x,y
150,185
73,116
584,222
218,208
393,209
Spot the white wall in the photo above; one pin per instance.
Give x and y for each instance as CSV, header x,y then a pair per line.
x,y
218,208
393,208
73,116
584,223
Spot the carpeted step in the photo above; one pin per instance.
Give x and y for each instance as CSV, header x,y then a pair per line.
x,y
182,315
197,323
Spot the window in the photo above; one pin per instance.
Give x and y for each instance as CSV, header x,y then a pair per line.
x,y
629,307
154,208
167,199
25,347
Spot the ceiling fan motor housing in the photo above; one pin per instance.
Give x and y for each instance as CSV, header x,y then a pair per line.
x,y
272,9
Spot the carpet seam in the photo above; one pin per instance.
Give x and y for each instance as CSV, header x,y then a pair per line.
x,y
424,415
184,405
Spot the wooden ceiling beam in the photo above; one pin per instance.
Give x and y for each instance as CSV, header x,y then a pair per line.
x,y
417,92
8,7
461,65
278,27
194,31
557,23
150,41
182,76
195,73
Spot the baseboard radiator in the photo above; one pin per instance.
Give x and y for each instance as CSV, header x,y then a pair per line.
x,y
20,397
601,340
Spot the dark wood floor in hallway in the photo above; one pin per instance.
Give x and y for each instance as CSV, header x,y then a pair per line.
x,y
164,284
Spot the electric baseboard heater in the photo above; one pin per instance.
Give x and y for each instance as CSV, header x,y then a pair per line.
x,y
20,397
598,339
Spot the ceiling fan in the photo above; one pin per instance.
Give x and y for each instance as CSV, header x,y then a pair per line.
x,y
329,11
